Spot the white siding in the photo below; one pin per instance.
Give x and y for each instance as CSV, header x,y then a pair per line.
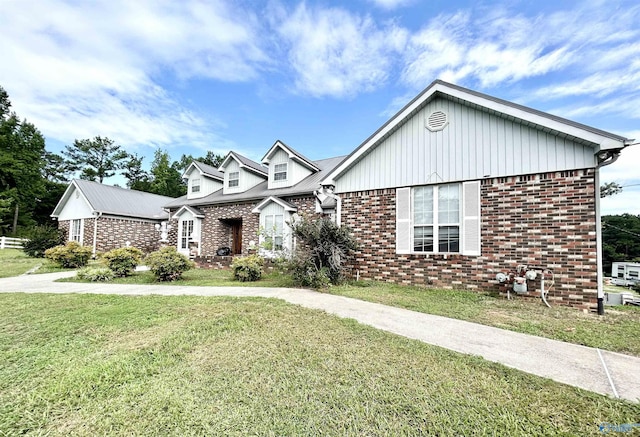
x,y
295,171
247,179
207,185
75,208
473,145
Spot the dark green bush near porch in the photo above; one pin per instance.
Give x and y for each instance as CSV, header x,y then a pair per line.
x,y
322,251
167,264
71,255
123,261
248,268
41,238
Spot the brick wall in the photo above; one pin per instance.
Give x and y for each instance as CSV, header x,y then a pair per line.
x,y
115,232
546,220
216,225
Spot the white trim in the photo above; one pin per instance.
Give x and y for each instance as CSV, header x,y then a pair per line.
x,y
286,205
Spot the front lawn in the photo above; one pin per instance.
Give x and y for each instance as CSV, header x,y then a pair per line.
x,y
119,365
618,330
15,262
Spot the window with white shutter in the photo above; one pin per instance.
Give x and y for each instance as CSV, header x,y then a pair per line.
x,y
438,219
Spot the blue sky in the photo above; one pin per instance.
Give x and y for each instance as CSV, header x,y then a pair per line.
x,y
189,76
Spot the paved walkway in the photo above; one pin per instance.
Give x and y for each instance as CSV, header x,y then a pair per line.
x,y
592,369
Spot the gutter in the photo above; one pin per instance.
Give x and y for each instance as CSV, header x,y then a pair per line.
x,y
603,158
328,191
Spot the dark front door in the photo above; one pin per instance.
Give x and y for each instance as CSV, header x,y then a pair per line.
x,y
236,237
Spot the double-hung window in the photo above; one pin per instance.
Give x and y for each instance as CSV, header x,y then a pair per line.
x,y
280,172
75,233
274,231
438,219
195,185
234,179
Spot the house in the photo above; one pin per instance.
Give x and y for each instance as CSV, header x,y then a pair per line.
x,y
625,273
107,217
455,188
245,206
459,186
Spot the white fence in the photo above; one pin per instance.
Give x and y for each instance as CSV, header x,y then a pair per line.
x,y
11,243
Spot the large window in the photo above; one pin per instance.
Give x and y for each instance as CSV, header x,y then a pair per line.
x,y
280,172
185,235
439,219
234,179
274,231
75,233
436,218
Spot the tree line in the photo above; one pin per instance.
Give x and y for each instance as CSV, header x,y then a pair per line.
x,y
32,179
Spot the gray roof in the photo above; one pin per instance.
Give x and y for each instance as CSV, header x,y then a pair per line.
x,y
209,170
111,200
251,165
305,187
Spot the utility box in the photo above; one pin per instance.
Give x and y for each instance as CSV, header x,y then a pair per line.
x,y
613,299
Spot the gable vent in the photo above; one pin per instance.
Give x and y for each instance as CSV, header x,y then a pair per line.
x,y
437,121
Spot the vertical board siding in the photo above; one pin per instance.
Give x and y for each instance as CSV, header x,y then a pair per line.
x,y
473,145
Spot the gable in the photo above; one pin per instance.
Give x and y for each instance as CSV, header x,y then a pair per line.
x,y
73,205
247,176
447,140
294,171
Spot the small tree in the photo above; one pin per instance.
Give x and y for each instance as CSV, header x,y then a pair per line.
x,y
41,238
322,250
167,264
123,261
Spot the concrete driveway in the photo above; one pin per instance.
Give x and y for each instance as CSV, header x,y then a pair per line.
x,y
604,372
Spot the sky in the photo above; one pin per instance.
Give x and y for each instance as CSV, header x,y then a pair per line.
x,y
191,76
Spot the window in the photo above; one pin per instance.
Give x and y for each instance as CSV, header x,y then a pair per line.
x,y
75,233
274,231
234,179
195,185
280,172
185,235
439,219
436,218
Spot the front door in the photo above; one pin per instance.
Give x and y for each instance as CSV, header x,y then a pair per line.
x,y
236,237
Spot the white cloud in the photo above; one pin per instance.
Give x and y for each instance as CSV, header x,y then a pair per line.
x,y
498,46
624,172
391,4
82,69
336,53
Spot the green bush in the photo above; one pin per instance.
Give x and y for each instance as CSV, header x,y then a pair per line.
x,y
41,238
96,274
167,264
71,255
123,261
322,251
248,268
307,274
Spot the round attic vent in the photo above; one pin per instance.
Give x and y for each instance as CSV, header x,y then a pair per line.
x,y
436,121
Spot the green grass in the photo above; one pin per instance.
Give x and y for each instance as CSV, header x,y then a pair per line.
x,y
203,277
117,365
618,330
15,262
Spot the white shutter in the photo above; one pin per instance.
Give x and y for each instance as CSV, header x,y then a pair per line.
x,y
403,220
471,218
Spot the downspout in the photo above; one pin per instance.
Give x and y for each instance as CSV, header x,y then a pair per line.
x,y
603,159
97,215
328,191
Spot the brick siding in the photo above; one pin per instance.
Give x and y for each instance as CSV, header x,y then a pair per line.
x,y
543,220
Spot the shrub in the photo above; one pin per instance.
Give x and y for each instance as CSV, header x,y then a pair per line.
x,y
248,268
71,255
41,238
123,261
167,264
322,251
96,274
